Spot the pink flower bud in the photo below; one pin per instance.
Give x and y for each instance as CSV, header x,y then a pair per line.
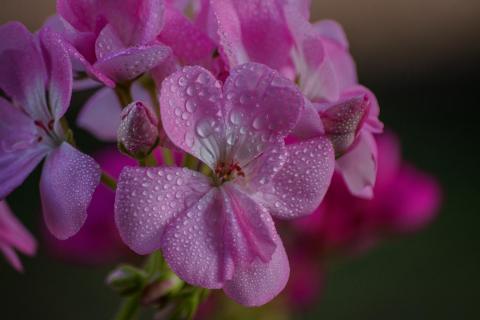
x,y
138,130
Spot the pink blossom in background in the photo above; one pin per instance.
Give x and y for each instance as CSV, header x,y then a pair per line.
x,y
405,201
307,279
14,236
36,77
219,233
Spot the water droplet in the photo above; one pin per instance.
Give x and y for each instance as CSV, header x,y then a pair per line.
x,y
204,128
190,105
236,116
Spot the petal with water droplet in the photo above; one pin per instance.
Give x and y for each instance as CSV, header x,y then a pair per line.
x,y
68,181
147,199
301,184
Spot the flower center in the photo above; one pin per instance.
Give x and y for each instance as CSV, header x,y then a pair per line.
x,y
227,171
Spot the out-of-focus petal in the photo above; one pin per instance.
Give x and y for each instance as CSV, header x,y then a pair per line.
x,y
342,63
188,43
252,30
132,62
23,76
101,113
137,22
59,69
148,199
68,181
299,187
13,233
259,282
359,166
20,151
191,113
83,15
332,30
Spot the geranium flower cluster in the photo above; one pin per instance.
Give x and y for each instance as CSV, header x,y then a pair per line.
x,y
262,106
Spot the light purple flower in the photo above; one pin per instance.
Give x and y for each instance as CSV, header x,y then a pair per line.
x,y
14,236
35,75
218,232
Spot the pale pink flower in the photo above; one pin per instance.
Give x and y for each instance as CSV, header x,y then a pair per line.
x,y
36,76
218,232
14,236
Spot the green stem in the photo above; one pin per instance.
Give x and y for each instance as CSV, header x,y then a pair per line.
x,y
168,159
124,93
190,162
108,181
129,308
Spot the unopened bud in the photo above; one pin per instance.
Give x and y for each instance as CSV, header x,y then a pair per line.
x,y
138,130
343,121
158,289
126,280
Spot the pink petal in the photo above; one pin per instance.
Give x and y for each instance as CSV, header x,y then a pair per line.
x,y
259,282
309,124
68,181
344,120
11,257
14,233
256,27
107,42
249,228
22,72
59,69
343,64
193,243
132,62
332,30
101,113
359,166
148,199
189,44
372,123
301,184
191,113
20,151
137,22
229,32
260,107
83,15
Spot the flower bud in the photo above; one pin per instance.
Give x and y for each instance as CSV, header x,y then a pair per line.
x,y
138,130
126,280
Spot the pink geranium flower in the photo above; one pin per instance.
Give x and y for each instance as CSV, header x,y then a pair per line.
x,y
278,34
14,236
217,231
35,75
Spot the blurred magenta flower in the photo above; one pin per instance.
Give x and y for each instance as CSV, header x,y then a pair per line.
x,y
306,280
36,76
14,236
406,200
219,233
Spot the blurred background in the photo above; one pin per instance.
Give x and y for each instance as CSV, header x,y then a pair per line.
x,y
422,60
